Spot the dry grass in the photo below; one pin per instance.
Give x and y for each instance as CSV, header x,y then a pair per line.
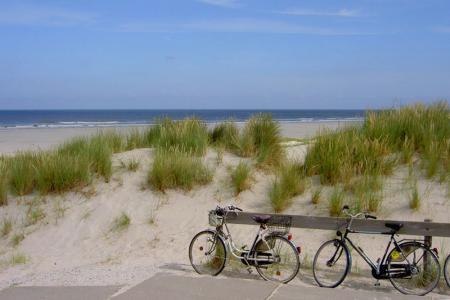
x,y
121,222
241,178
6,227
336,202
177,169
373,148
290,182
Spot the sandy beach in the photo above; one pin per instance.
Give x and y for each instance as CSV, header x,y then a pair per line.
x,y
73,244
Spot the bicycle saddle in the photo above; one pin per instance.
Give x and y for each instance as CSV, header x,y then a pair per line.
x,y
394,226
261,219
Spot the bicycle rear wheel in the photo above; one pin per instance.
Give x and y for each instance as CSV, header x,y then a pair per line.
x,y
331,264
277,259
413,269
207,253
447,270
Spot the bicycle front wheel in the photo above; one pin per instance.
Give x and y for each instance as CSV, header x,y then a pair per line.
x,y
447,270
331,264
207,253
413,269
276,259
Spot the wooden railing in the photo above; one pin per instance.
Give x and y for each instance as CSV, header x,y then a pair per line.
x,y
426,229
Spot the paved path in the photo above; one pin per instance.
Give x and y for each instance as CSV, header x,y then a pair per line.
x,y
167,286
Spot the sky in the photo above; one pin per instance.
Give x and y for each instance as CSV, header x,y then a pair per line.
x,y
209,54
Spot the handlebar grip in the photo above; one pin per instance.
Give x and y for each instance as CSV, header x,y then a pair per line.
x,y
371,217
237,208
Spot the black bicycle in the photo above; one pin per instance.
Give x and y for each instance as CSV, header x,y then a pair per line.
x,y
412,267
272,253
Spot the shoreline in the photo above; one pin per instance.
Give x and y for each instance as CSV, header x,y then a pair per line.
x,y
24,139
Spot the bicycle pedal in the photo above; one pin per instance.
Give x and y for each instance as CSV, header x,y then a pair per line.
x,y
249,270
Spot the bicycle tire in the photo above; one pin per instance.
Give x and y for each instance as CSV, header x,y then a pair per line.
x,y
447,270
293,260
421,281
323,263
217,264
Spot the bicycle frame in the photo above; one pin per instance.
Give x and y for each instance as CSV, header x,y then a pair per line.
x,y
379,270
241,254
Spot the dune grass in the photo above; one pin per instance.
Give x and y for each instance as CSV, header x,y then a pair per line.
x,y
34,215
58,173
241,178
17,239
6,227
375,147
131,165
289,182
316,196
3,183
189,135
336,202
21,173
261,138
121,222
177,169
18,259
414,197
225,135
136,138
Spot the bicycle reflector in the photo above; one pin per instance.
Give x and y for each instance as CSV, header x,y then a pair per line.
x,y
299,249
290,236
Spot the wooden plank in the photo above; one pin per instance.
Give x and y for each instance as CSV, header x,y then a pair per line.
x,y
328,223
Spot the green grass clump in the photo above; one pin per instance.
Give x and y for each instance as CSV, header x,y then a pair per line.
x,y
6,227
372,148
18,259
225,135
34,215
316,195
121,222
21,172
261,138
136,138
132,165
414,199
421,129
189,135
367,192
57,172
241,177
290,182
16,239
177,169
336,201
338,156
3,183
99,153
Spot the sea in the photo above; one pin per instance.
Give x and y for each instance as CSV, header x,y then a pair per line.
x,y
114,118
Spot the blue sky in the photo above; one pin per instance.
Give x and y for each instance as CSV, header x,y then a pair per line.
x,y
223,53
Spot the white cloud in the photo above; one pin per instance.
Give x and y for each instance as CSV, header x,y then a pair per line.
x,y
320,13
236,26
222,3
31,15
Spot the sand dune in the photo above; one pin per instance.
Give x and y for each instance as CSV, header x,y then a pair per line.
x,y
75,244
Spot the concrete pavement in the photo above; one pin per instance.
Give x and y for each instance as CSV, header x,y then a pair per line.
x,y
169,286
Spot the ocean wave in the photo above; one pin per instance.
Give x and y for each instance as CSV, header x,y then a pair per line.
x,y
93,124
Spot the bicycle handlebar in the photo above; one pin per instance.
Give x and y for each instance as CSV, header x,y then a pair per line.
x,y
345,209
